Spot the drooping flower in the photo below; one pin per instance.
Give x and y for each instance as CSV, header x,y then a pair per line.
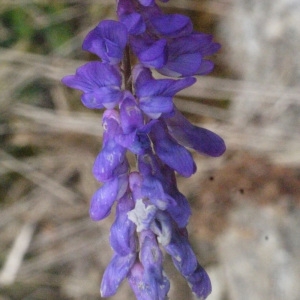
x,y
111,161
115,273
170,152
104,198
185,261
197,138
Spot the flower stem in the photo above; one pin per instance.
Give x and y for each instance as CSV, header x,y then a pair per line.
x,y
127,69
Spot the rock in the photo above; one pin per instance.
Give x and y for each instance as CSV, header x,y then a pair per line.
x,y
261,40
259,253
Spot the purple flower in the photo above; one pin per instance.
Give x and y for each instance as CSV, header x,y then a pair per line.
x,y
104,198
186,55
152,53
99,82
115,272
170,152
135,132
134,23
185,261
197,138
146,277
111,161
122,232
146,2
107,40
156,95
151,257
158,185
180,210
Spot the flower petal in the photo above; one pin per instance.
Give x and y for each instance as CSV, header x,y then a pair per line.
x,y
142,215
183,65
206,67
172,25
102,97
146,2
151,53
164,87
200,283
156,105
162,227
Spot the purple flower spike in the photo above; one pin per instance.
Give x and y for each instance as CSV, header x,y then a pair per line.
x,y
189,135
107,40
104,198
170,152
115,272
99,82
140,121
122,232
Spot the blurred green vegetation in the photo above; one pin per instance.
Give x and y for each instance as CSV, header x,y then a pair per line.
x,y
36,28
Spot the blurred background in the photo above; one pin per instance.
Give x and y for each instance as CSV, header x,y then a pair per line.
x,y
246,216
